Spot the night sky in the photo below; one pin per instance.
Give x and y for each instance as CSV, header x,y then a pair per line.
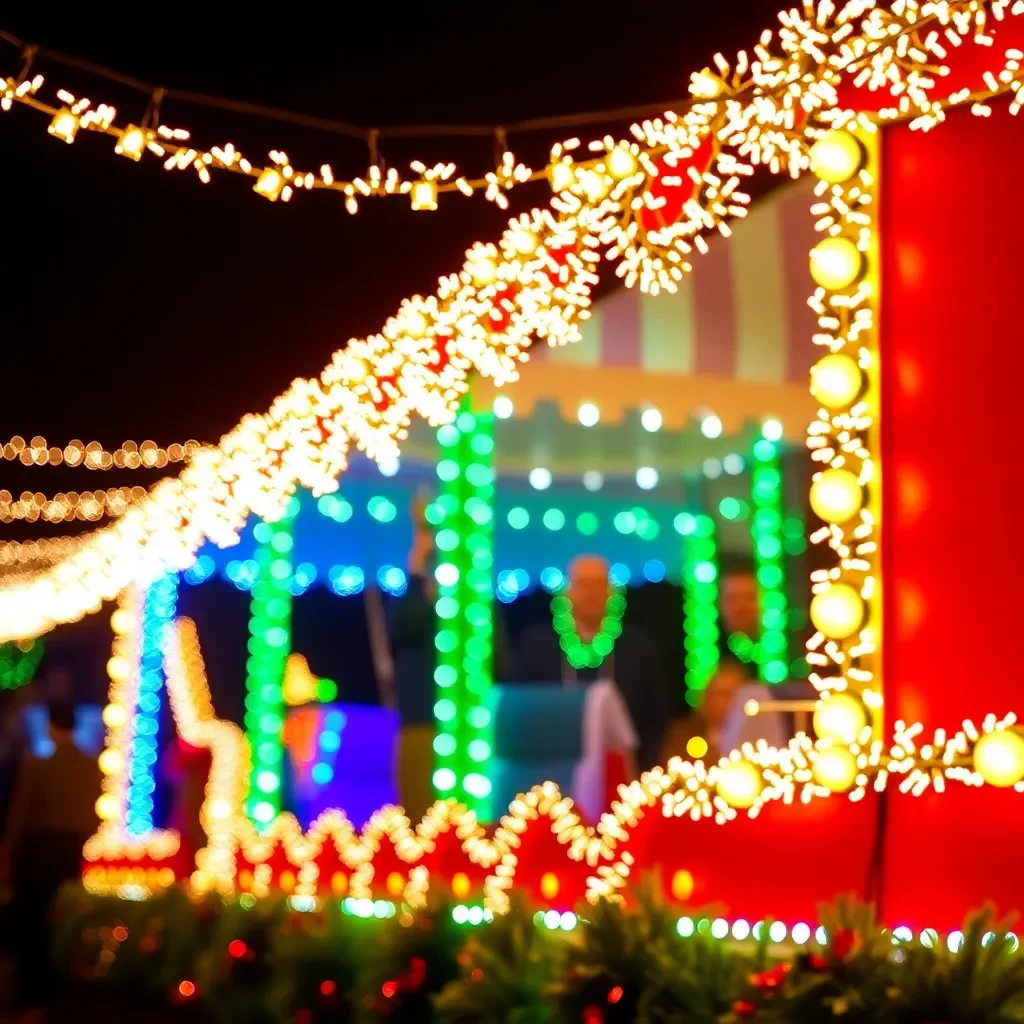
x,y
138,303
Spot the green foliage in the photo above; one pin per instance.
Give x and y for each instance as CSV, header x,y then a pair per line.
x,y
506,969
628,964
262,962
415,958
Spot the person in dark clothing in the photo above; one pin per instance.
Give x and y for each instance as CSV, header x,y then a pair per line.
x,y
632,663
52,814
739,619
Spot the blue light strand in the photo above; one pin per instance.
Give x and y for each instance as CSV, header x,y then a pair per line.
x,y
157,615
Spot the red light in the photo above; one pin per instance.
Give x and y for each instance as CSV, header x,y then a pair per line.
x,y
615,995
237,948
476,974
389,988
328,987
120,933
187,990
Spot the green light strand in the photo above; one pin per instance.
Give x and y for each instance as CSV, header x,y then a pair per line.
x,y
578,653
463,517
769,558
269,646
700,602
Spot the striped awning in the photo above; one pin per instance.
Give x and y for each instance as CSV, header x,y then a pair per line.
x,y
735,339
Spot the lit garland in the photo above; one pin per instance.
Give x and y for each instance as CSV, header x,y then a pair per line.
x,y
464,517
93,455
700,603
18,662
590,654
270,627
766,111
157,615
766,532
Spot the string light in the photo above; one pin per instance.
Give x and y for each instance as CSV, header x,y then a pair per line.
x,y
87,506
769,557
700,603
157,615
464,520
269,647
587,654
147,455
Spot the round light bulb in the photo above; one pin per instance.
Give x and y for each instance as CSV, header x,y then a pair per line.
x,y
836,263
588,414
621,162
682,885
524,241
594,185
999,758
836,157
739,784
118,668
836,495
111,761
121,621
835,769
106,807
483,271
114,716
415,324
837,612
841,717
836,381
561,176
651,420
503,407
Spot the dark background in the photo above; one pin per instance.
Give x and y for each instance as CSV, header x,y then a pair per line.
x,y
140,304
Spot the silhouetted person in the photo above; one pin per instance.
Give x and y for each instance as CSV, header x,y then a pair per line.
x,y
708,721
739,619
632,664
52,814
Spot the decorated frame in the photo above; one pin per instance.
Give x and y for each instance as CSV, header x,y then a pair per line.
x,y
812,100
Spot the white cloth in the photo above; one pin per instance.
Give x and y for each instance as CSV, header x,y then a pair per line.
x,y
607,727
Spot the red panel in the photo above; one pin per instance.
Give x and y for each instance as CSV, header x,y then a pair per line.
x,y
951,359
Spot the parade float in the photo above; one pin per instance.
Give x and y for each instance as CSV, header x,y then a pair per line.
x,y
903,119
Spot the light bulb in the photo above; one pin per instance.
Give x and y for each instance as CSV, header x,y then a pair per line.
x,y
836,263
705,85
118,668
269,184
588,414
114,716
122,621
682,885
837,612
651,420
503,407
836,495
739,784
131,143
561,175
836,381
415,323
423,195
594,185
841,717
106,807
835,769
524,241
483,270
111,761
621,163
836,157
65,125
999,757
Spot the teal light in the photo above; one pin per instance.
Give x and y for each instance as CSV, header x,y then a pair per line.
x,y
518,518
554,519
587,523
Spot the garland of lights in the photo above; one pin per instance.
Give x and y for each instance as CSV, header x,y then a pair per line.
x,y
581,654
648,212
87,506
18,663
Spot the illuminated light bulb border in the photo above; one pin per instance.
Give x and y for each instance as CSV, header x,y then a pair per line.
x,y
766,526
87,506
700,604
464,520
269,647
846,438
314,421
